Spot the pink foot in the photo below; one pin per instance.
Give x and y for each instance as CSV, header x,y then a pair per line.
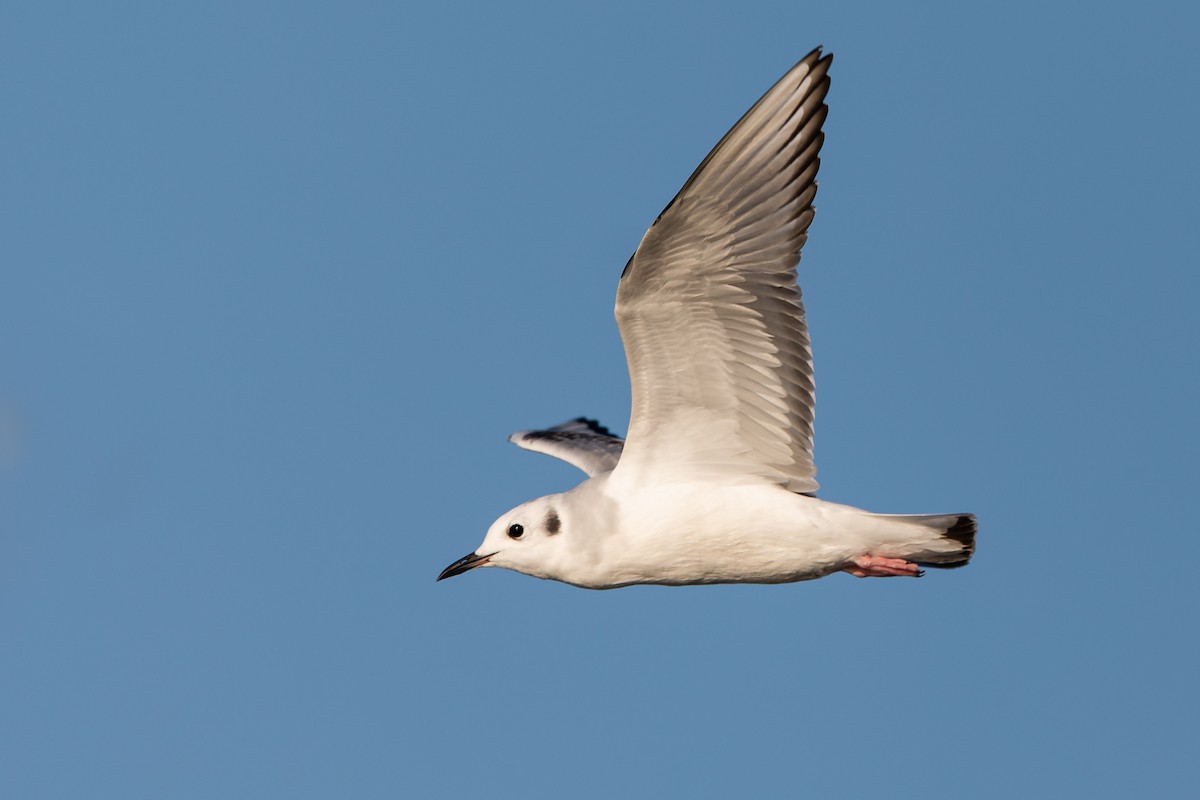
x,y
880,567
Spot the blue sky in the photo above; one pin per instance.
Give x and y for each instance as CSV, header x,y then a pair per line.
x,y
278,279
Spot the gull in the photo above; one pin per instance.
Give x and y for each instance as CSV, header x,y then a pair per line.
x,y
715,482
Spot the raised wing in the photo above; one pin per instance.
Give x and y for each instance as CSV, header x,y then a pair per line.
x,y
709,308
581,442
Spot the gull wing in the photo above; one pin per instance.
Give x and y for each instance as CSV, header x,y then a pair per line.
x,y
709,309
581,442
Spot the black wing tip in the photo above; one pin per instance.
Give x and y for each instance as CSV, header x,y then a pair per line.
x,y
594,426
566,432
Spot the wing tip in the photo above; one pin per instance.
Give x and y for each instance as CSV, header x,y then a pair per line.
x,y
594,426
817,56
572,425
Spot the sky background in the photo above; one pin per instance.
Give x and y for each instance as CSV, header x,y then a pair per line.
x,y
278,279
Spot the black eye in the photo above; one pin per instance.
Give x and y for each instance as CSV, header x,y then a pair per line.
x,y
516,531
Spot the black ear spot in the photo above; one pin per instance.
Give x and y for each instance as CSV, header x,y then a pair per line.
x,y
516,530
553,523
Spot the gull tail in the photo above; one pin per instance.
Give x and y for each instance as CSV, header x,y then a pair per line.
x,y
947,540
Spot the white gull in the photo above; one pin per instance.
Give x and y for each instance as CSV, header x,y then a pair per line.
x,y
715,482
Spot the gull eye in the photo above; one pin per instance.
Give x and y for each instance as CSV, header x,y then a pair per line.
x,y
516,531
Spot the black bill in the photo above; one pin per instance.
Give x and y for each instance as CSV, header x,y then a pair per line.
x,y
464,564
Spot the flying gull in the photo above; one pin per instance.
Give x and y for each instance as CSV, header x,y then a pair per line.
x,y
715,482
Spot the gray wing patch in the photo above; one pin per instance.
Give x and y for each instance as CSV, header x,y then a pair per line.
x,y
581,442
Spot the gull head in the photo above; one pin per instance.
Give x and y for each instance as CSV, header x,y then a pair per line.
x,y
528,539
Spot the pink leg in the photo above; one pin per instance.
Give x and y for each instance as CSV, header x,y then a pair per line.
x,y
879,567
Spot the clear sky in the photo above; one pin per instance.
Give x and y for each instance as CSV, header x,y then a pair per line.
x,y
278,279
